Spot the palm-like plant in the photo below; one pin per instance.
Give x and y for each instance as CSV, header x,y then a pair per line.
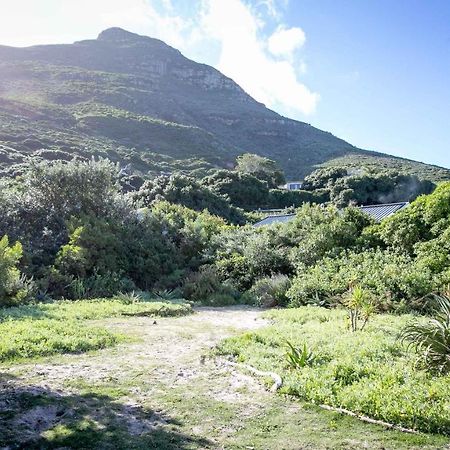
x,y
360,306
432,338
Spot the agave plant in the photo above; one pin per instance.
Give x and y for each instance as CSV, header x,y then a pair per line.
x,y
299,357
432,338
167,294
129,297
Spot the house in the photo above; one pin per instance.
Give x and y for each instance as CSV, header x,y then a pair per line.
x,y
377,212
292,186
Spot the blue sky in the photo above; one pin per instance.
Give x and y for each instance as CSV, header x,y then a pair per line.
x,y
374,72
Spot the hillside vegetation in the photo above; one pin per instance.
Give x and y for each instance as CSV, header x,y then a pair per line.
x,y
138,101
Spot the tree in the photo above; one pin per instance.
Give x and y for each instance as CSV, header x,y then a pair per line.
x,y
260,167
189,192
323,178
242,189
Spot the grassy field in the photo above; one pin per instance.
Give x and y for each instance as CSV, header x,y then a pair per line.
x,y
63,327
368,372
161,387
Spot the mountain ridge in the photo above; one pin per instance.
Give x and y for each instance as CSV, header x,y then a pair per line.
x,y
137,100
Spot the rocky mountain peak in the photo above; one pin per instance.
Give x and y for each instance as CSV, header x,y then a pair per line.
x,y
117,34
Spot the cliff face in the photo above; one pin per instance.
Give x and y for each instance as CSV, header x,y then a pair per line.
x,y
135,99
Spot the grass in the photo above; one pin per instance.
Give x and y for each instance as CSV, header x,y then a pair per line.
x,y
144,401
368,372
47,329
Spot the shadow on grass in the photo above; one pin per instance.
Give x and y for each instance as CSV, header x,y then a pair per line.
x,y
35,417
25,312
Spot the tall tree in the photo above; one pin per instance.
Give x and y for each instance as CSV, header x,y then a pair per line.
x,y
260,167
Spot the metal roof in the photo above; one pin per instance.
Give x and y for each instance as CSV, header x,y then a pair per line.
x,y
377,212
280,218
380,212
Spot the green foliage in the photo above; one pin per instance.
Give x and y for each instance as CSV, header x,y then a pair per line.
x,y
128,298
242,189
87,240
206,287
379,163
323,178
298,358
367,187
261,168
281,198
188,192
14,288
38,206
247,254
369,373
360,307
394,280
166,294
319,232
269,292
431,338
422,221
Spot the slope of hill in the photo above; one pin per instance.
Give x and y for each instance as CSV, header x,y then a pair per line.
x,y
137,100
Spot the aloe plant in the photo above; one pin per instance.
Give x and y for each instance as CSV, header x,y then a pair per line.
x,y
299,357
431,339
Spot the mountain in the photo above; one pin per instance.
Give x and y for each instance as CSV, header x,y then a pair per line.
x,y
139,101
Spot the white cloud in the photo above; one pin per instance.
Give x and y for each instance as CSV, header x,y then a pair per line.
x,y
244,58
231,35
27,22
284,41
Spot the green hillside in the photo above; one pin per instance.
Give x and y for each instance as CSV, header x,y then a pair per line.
x,y
136,100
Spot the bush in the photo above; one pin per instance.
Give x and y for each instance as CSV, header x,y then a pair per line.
x,y
246,254
189,192
394,280
220,299
14,287
205,286
269,292
432,337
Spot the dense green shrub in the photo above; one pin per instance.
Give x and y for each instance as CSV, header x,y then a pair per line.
x,y
189,192
393,279
246,254
241,189
425,219
206,287
320,232
365,187
37,207
282,198
14,287
431,338
269,292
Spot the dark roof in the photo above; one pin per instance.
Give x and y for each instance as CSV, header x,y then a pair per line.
x,y
380,212
377,212
280,218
